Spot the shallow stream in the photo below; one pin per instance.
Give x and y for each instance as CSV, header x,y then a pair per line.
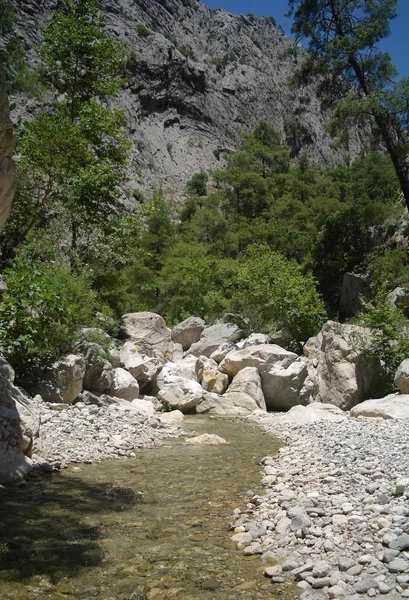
x,y
151,528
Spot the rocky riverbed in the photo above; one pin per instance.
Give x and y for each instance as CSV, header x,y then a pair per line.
x,y
88,432
334,517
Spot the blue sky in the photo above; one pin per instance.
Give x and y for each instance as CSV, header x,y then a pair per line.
x,y
397,43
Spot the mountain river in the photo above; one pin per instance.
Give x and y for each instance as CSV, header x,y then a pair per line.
x,y
150,528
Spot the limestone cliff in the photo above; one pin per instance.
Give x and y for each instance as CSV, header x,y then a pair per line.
x,y
199,79
7,143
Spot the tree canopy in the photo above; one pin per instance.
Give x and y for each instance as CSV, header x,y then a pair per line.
x,y
356,77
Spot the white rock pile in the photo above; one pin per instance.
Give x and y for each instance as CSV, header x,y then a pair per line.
x,y
335,515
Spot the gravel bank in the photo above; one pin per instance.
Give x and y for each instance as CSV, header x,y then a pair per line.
x,y
335,513
86,433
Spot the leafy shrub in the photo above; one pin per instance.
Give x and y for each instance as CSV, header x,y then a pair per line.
x,y
389,341
41,313
197,184
142,30
272,289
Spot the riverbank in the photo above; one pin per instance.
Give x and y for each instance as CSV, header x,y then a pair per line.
x,y
335,513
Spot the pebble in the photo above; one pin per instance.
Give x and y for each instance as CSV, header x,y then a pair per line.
x,y
337,502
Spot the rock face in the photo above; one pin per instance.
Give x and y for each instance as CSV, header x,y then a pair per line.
x,y
19,426
8,180
339,371
199,80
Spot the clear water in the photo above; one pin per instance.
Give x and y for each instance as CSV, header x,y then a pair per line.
x,y
151,528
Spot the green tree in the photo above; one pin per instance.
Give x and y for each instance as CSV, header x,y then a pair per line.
x,y
80,59
273,290
76,154
343,39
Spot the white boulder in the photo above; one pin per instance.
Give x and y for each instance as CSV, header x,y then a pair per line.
x,y
171,370
181,394
148,331
188,332
144,406
124,385
394,406
340,371
142,366
245,390
212,337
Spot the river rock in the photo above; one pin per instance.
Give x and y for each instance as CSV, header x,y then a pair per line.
x,y
188,332
147,331
174,416
207,439
181,394
213,336
394,406
340,371
124,385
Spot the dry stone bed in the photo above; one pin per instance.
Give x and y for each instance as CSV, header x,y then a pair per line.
x,y
334,517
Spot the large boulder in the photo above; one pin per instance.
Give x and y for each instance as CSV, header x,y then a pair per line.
x,y
181,394
285,387
171,370
19,427
8,181
402,377
148,331
222,351
65,380
262,357
208,375
283,373
245,390
214,336
142,364
394,406
340,372
124,385
188,332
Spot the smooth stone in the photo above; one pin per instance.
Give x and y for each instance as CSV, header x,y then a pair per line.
x,y
365,584
398,565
